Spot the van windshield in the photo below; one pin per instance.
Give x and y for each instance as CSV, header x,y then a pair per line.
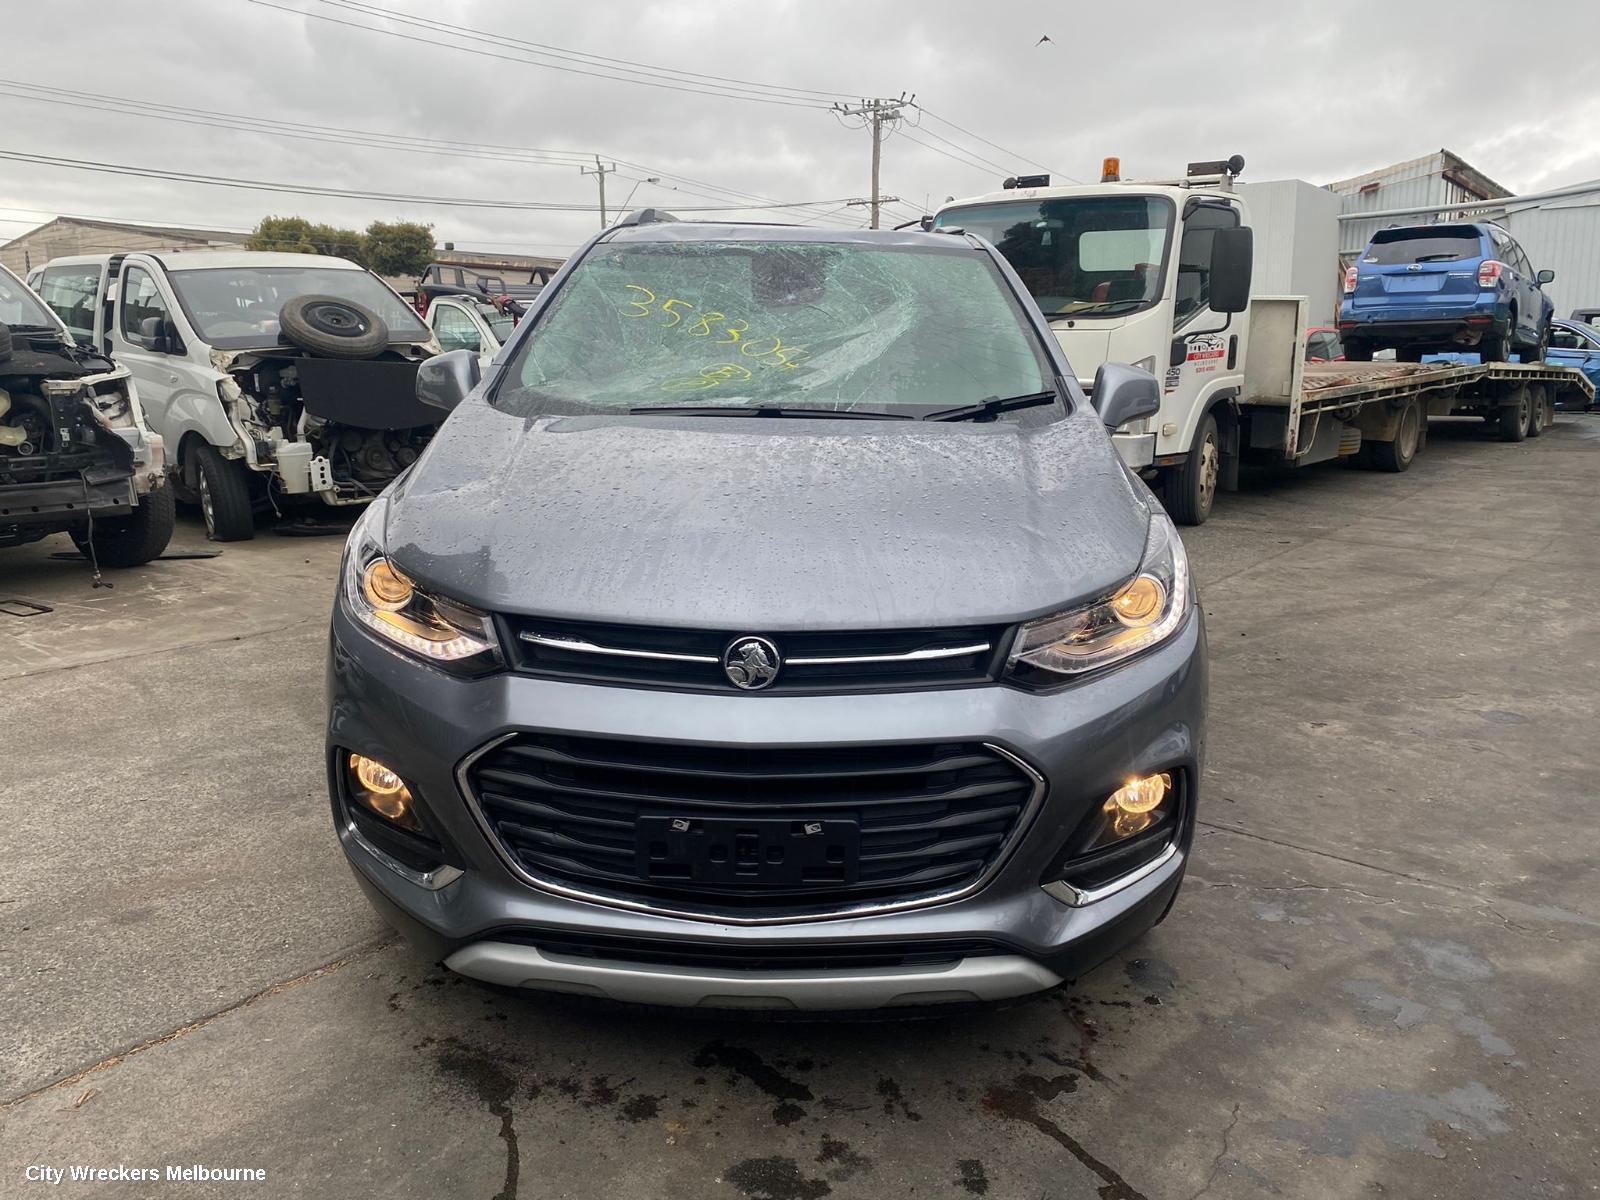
x,y
1425,245
759,323
1088,256
236,308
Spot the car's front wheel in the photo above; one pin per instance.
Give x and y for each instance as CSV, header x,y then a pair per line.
x,y
1356,352
225,500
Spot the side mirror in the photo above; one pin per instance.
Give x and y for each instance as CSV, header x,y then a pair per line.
x,y
1123,393
444,380
159,335
1545,277
1232,257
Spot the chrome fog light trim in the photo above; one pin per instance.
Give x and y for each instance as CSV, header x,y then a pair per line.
x,y
1082,897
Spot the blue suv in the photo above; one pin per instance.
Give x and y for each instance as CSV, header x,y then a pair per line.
x,y
1434,288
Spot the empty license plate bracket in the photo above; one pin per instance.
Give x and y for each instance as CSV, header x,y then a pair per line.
x,y
777,852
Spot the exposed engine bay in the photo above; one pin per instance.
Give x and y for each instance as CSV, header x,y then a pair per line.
x,y
72,443
338,428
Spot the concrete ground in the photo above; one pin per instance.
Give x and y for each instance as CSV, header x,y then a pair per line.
x,y
1380,980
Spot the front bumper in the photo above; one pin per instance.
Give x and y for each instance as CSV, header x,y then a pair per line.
x,y
1085,740
67,502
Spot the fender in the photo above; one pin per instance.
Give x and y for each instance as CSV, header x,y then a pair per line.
x,y
1222,392
192,411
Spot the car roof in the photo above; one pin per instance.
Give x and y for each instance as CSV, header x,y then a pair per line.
x,y
182,260
193,260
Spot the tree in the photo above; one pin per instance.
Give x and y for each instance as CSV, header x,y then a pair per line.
x,y
398,248
296,235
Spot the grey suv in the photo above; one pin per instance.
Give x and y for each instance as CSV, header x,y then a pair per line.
x,y
773,625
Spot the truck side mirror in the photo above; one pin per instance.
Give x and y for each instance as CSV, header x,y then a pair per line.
x,y
444,380
1232,257
1545,277
1123,393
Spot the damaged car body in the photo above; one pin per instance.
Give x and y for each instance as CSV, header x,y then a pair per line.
x,y
772,625
274,378
75,455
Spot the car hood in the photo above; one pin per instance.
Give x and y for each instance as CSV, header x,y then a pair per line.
x,y
767,524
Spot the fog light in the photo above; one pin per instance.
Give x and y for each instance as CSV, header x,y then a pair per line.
x,y
1132,806
385,793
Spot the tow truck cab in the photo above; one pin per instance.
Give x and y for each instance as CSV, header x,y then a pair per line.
x,y
1159,275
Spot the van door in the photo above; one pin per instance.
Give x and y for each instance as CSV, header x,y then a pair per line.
x,y
458,329
177,386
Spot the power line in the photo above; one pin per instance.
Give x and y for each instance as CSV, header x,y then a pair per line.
x,y
952,156
339,135
440,27
356,194
581,55
994,145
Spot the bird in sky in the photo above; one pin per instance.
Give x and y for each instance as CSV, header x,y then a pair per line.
x,y
1042,41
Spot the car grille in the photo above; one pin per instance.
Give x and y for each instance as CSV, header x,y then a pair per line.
x,y
922,821
691,659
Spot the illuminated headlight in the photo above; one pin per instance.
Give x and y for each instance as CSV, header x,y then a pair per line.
x,y
1142,613
433,628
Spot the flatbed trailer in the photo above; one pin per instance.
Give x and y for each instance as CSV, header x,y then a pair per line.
x,y
1297,412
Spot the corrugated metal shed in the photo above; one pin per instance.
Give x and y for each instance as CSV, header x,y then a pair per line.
x,y
1434,179
1563,235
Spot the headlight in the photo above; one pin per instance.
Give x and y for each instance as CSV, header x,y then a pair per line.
x,y
1141,613
430,627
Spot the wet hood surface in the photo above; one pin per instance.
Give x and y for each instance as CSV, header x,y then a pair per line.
x,y
766,524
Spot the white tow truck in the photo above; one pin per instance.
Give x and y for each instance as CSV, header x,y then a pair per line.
x,y
1211,284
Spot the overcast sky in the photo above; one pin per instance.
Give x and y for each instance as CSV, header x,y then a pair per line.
x,y
1320,93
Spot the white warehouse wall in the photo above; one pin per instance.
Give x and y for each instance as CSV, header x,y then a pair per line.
x,y
1563,235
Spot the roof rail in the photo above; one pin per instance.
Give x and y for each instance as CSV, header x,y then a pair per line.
x,y
645,216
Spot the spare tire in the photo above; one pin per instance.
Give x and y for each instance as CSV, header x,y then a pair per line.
x,y
333,327
5,342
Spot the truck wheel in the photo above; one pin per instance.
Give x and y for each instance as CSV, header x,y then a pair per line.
x,y
1536,406
224,497
135,539
1355,352
1189,490
1396,456
1514,417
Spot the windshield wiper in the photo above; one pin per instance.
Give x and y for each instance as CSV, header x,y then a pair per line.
x,y
1098,306
767,410
992,407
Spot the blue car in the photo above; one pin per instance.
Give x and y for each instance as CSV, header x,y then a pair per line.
x,y
1575,344
1431,289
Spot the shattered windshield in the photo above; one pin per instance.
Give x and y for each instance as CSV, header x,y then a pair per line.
x,y
1079,256
19,306
235,308
828,325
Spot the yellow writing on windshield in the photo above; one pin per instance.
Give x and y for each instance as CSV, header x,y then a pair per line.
x,y
719,328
